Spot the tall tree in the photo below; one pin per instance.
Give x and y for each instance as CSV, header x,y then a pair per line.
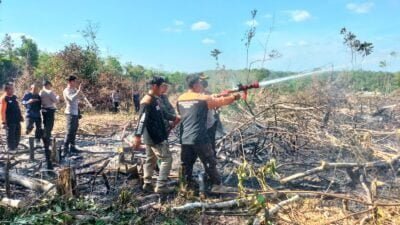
x,y
215,54
29,52
112,65
7,46
355,45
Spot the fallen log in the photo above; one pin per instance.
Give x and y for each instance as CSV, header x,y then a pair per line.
x,y
211,205
30,183
95,162
146,207
272,211
328,165
14,203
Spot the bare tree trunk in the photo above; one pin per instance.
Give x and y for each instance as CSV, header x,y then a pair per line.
x,y
66,185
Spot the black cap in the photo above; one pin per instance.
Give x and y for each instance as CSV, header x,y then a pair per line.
x,y
192,79
204,83
203,76
71,78
46,82
157,80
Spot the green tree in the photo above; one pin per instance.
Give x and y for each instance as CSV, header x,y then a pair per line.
x,y
7,46
355,45
79,61
135,72
260,74
9,68
177,80
29,52
215,54
112,65
49,65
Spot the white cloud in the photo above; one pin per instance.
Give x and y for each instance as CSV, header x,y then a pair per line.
x,y
208,41
178,23
360,8
299,15
201,25
172,30
252,23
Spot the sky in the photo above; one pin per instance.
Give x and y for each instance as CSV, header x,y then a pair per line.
x,y
178,35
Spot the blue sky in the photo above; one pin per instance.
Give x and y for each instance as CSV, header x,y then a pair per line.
x,y
179,34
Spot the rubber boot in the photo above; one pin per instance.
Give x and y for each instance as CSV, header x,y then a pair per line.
x,y
164,189
48,158
147,188
73,149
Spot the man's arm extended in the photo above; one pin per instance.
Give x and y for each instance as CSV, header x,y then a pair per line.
x,y
221,101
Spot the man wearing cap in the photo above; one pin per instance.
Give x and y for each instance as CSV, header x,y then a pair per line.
x,y
151,126
71,96
49,100
11,116
193,106
32,103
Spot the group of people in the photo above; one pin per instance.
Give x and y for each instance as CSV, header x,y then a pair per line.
x,y
196,116
116,100
40,109
157,117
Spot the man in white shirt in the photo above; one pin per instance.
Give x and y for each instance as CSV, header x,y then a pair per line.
x,y
71,96
115,98
48,100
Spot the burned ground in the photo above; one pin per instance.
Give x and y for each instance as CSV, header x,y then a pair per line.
x,y
321,156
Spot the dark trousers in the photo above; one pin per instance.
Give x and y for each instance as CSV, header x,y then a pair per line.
x,y
34,122
212,132
72,128
13,133
115,106
137,105
48,123
207,156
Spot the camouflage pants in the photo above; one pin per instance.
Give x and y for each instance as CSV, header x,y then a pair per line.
x,y
162,153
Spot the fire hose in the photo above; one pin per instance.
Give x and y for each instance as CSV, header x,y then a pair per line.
x,y
244,89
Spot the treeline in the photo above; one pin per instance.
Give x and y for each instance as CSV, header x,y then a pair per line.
x,y
358,80
26,63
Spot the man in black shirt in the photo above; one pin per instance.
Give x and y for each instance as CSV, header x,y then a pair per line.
x,y
151,126
11,116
